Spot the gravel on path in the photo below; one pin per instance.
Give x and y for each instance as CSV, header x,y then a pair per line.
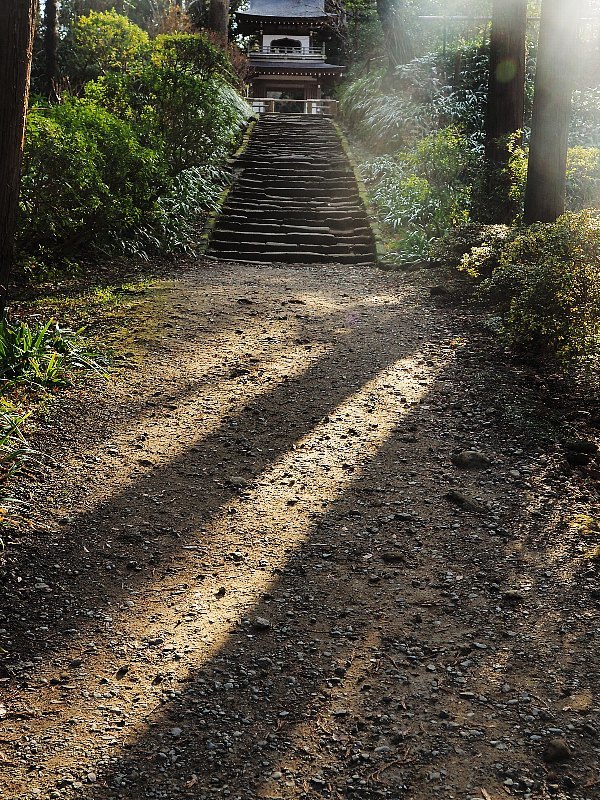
x,y
297,551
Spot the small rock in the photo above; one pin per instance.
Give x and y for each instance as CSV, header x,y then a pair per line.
x,y
466,502
556,750
513,596
439,291
577,459
261,624
393,557
581,446
176,732
471,459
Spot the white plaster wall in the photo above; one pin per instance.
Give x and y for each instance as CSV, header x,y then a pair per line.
x,y
270,37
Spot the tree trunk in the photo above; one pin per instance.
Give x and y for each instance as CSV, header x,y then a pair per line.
x,y
218,20
554,83
51,49
394,20
17,22
506,88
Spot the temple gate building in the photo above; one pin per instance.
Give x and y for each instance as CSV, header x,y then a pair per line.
x,y
287,64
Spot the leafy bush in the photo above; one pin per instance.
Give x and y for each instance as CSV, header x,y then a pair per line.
x,y
130,167
473,248
423,191
192,54
430,92
103,42
181,102
583,178
385,121
174,227
585,118
87,181
547,283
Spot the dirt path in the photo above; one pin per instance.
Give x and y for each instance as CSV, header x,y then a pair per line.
x,y
244,579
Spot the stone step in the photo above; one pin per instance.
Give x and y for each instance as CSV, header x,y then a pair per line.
x,y
227,237
312,237
327,253
290,257
294,199
283,208
236,224
276,195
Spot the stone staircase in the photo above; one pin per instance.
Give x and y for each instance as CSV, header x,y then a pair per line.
x,y
294,198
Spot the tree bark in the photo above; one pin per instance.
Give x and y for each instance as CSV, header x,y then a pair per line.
x,y
554,84
218,20
506,88
394,20
17,22
51,49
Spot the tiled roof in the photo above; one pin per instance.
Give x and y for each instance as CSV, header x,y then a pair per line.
x,y
284,8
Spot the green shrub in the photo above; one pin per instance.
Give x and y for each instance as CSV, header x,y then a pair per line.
x,y
87,181
193,54
103,42
181,103
585,118
583,178
431,92
423,191
473,248
547,283
175,226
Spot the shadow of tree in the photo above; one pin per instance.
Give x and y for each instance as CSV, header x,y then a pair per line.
x,y
318,622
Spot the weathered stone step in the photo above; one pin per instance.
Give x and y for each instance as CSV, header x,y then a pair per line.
x,y
291,257
312,237
304,179
258,225
239,206
320,242
284,193
323,251
294,199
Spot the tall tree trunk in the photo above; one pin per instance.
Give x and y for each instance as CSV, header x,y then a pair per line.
x,y
17,22
394,20
218,20
506,88
554,83
51,49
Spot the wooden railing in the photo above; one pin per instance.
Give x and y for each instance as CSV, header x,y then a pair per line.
x,y
269,105
288,53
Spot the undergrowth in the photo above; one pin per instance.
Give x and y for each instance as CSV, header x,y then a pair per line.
x,y
35,357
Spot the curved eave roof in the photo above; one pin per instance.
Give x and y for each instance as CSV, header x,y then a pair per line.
x,y
307,9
